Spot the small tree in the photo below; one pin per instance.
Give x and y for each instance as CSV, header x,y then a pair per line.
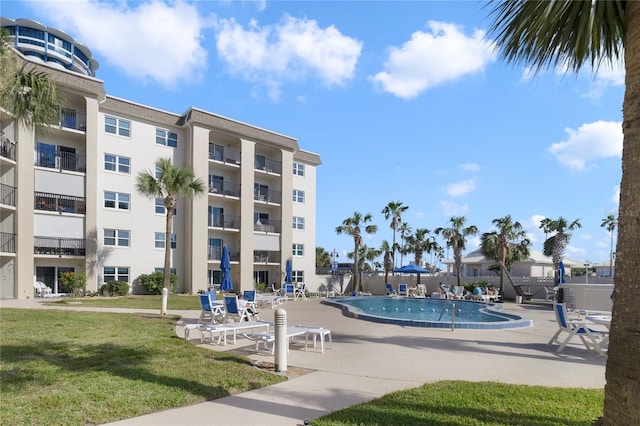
x,y
353,226
75,283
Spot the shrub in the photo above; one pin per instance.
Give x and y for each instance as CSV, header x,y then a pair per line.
x,y
153,283
473,284
260,287
115,288
75,283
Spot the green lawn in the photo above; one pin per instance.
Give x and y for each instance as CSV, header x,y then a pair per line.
x,y
77,368
178,302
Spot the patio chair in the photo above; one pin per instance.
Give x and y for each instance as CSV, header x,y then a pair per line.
x,y
42,290
576,327
550,294
403,290
289,291
301,292
390,291
233,308
209,310
458,292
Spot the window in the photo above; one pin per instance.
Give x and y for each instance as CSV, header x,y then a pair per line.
x,y
298,169
298,196
160,208
216,152
115,273
117,126
110,199
298,222
159,240
261,162
165,137
214,250
297,276
298,249
172,271
260,192
216,184
215,217
158,171
116,237
116,163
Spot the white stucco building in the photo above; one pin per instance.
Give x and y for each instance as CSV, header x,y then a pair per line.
x,y
69,200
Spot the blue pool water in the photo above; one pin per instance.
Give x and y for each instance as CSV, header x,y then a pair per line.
x,y
427,312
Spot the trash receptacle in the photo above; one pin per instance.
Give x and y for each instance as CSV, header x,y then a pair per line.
x,y
519,300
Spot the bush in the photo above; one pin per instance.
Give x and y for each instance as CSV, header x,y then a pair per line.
x,y
260,287
481,284
75,283
154,283
115,288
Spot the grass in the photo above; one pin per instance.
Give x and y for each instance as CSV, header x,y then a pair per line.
x,y
475,403
177,302
79,368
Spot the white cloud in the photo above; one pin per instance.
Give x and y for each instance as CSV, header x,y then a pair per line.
x,y
450,208
131,38
292,50
461,188
431,58
470,167
615,198
589,142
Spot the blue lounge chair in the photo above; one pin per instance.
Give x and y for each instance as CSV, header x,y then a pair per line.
x,y
209,310
233,308
390,290
403,290
576,327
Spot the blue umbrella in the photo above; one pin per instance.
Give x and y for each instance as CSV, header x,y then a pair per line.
x,y
412,268
561,279
288,270
225,268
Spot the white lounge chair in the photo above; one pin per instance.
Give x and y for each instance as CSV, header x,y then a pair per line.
x,y
575,327
42,290
241,326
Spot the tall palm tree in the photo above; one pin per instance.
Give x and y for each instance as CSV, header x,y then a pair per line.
x,y
609,223
323,258
405,231
545,225
353,226
365,254
394,211
507,244
171,184
556,245
385,250
456,238
419,243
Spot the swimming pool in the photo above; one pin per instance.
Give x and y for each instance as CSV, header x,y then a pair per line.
x,y
438,313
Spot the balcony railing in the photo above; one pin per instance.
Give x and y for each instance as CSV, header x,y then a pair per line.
x,y
7,148
225,188
72,119
268,225
268,165
7,194
215,253
7,242
268,196
60,160
226,155
59,203
59,246
225,221
266,257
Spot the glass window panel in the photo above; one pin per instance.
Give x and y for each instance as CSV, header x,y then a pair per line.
x,y
110,200
110,162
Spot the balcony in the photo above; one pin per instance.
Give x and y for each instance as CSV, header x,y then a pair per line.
x,y
59,203
7,242
72,119
215,253
224,154
267,196
228,189
7,148
268,165
267,225
59,246
61,160
224,221
7,194
266,257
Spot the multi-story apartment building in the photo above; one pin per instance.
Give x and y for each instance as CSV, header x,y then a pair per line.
x,y
69,202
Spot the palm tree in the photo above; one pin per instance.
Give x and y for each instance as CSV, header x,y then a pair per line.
x,y
508,244
610,222
456,238
323,258
556,245
545,225
353,226
405,231
385,250
394,211
419,243
170,184
365,253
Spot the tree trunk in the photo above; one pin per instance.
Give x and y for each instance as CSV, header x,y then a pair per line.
x,y
167,251
622,391
356,260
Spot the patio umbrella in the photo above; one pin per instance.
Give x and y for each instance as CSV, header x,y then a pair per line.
x,y
412,269
561,279
225,268
288,271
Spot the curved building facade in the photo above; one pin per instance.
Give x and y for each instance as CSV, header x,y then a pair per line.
x,y
50,46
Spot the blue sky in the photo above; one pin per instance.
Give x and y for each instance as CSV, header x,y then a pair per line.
x,y
403,101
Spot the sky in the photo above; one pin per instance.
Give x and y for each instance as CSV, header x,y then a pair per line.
x,y
403,101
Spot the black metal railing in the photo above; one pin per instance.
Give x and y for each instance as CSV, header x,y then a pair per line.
x,y
59,246
224,188
268,165
59,203
215,253
225,221
7,194
7,148
266,256
7,242
267,196
72,119
268,225
61,160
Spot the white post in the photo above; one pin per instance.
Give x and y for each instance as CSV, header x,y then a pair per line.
x,y
282,343
165,297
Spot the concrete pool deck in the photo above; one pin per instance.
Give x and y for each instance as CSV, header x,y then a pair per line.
x,y
370,359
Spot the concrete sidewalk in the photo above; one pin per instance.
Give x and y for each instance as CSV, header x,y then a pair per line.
x,y
369,360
